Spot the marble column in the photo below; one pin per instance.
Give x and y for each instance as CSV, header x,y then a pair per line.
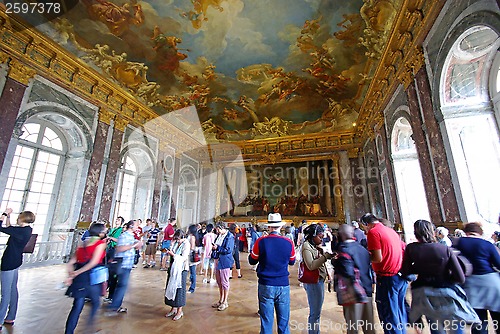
x,y
424,155
10,101
337,189
155,205
175,185
384,162
327,190
347,187
94,174
113,164
449,205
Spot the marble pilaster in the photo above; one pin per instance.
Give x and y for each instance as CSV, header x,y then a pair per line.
x,y
424,155
10,100
111,174
94,173
447,196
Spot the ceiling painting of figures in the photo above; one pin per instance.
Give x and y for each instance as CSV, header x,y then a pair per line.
x,y
252,68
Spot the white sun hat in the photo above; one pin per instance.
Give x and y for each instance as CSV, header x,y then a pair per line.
x,y
274,220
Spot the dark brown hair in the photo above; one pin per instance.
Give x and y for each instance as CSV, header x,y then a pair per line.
x,y
473,228
424,231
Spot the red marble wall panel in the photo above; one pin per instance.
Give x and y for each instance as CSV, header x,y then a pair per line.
x,y
94,173
111,175
424,156
10,102
438,154
157,186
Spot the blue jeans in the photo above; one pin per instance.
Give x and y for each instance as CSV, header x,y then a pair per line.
x,y
192,277
10,295
271,298
315,296
121,288
390,299
165,244
93,292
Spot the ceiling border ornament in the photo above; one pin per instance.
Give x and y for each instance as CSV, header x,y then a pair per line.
x,y
38,54
402,58
20,73
106,116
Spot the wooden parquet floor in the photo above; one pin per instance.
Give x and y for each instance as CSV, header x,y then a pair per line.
x,y
43,308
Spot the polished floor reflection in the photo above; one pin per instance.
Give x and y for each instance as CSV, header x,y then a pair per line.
x,y
43,307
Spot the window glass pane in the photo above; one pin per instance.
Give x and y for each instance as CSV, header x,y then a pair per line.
x,y
463,81
43,156
30,132
51,139
45,198
20,173
18,184
16,196
36,187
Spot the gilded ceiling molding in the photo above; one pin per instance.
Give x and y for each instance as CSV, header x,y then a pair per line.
x,y
20,73
40,55
402,58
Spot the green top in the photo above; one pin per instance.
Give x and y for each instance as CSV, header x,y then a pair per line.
x,y
114,233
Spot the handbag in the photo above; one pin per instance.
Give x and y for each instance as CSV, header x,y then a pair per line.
x,y
98,275
306,275
195,256
464,262
348,291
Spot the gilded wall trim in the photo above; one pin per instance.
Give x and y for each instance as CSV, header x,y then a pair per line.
x,y
402,58
286,149
20,73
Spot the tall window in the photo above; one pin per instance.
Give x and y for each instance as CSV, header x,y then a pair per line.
x,y
470,122
126,187
409,182
32,178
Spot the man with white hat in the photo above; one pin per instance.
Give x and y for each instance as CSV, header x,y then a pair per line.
x,y
273,254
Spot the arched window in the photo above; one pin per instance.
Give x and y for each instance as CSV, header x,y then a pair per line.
x,y
469,120
408,176
126,189
133,198
187,196
36,166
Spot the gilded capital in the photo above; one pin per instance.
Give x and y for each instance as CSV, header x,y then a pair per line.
x,y
4,57
20,72
353,152
120,124
106,116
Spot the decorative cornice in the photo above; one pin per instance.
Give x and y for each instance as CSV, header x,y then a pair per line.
x,y
286,149
20,73
21,42
402,58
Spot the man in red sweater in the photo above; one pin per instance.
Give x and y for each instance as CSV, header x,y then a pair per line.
x,y
386,253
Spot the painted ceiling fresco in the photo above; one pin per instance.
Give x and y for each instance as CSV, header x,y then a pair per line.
x,y
252,68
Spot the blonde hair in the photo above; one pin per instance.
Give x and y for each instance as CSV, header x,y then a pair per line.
x,y
27,217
